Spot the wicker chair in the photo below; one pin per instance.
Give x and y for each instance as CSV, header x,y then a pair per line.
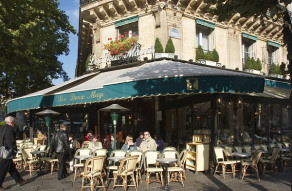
x,y
79,164
93,171
151,167
139,164
127,168
253,163
271,160
113,166
224,163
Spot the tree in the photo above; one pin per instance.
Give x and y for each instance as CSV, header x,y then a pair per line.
x,y
33,34
169,48
209,56
215,55
200,53
158,46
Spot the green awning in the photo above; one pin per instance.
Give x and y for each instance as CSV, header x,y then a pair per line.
x,y
164,77
205,23
271,43
249,36
126,21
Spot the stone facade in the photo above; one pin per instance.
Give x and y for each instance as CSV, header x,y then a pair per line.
x,y
162,19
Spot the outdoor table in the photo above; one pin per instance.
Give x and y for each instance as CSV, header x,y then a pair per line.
x,y
82,157
116,159
241,155
165,162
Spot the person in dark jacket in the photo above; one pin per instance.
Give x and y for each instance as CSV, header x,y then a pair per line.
x,y
7,165
60,145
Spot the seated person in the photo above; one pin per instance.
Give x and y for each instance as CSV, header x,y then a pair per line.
x,y
159,142
44,139
95,143
129,144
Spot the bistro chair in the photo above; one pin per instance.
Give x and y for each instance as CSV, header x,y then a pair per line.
x,y
253,163
182,158
220,161
152,167
228,152
79,164
18,160
176,169
93,172
238,149
29,160
271,160
138,165
127,168
247,149
113,166
52,163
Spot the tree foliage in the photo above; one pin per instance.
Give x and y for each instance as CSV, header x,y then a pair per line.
x,y
33,34
200,53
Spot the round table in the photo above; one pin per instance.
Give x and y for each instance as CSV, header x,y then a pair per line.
x,y
82,157
116,159
165,162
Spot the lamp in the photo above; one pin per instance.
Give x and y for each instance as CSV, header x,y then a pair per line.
x,y
114,110
48,114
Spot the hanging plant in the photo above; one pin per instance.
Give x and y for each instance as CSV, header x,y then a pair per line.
x,y
121,44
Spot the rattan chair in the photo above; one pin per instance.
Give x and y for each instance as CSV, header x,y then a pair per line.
x,y
219,154
79,164
253,163
113,166
271,160
127,168
152,167
169,149
93,171
29,160
100,152
139,164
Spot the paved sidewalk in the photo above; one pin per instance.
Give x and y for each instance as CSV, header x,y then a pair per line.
x,y
200,182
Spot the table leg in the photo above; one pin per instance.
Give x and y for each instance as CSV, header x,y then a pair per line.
x,y
165,170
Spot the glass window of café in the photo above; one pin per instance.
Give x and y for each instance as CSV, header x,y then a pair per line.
x,y
129,30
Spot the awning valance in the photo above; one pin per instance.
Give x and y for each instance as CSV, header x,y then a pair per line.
x,y
249,36
205,23
164,77
126,21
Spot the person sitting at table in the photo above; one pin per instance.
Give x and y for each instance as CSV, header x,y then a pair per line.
x,y
44,139
139,139
95,143
129,144
159,142
148,143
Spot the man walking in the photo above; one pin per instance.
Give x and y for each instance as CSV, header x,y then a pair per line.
x,y
60,145
7,165
148,143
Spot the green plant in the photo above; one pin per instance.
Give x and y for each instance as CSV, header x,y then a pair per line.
x,y
200,53
275,69
121,44
209,56
215,55
169,46
258,65
251,63
158,46
283,69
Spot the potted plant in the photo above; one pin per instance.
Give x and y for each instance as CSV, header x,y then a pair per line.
x,y
158,48
253,66
121,44
169,48
275,71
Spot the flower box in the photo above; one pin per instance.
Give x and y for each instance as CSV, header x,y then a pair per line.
x,y
164,55
277,76
253,71
209,63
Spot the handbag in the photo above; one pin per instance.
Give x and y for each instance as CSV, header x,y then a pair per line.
x,y
4,152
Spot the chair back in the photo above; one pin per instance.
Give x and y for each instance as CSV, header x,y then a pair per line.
x,y
169,149
83,152
238,149
219,154
228,150
94,164
264,147
42,147
150,158
85,144
118,153
286,144
275,154
100,152
247,148
182,158
26,153
139,154
280,145
170,154
257,147
128,164
256,157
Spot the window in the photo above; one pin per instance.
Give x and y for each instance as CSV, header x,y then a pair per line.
x,y
205,38
273,55
248,49
129,30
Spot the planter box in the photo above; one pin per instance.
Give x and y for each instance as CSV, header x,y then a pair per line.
x,y
253,71
209,63
164,55
277,76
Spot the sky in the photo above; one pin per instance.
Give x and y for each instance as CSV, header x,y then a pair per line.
x,y
71,8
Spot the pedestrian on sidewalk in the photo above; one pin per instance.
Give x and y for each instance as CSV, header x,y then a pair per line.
x,y
7,165
60,145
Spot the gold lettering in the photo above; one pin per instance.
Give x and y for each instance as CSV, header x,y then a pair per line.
x,y
61,99
93,95
75,97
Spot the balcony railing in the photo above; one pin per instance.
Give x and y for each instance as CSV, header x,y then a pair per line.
x,y
85,2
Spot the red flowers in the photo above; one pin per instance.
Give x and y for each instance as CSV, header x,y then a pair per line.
x,y
121,44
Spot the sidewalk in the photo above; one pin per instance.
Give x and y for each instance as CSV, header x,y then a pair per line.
x,y
201,182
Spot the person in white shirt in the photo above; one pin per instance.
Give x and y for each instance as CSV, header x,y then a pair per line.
x,y
95,143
